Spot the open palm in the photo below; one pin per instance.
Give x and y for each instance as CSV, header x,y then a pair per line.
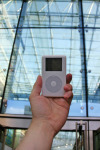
x,y
53,110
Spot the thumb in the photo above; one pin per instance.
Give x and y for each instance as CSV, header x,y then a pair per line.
x,y
37,87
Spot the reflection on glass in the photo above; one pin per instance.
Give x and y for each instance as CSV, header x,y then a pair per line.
x,y
9,138
67,141
19,134
12,138
97,140
18,107
63,140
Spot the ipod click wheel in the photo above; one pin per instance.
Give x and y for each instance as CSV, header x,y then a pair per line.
x,y
53,75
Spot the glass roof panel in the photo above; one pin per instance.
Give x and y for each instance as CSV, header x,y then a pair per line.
x,y
91,11
52,13
9,13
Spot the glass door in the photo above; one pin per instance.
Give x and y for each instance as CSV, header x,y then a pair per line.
x,y
76,134
80,137
10,138
73,139
2,138
97,139
66,140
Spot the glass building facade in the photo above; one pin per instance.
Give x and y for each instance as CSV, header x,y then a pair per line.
x,y
30,29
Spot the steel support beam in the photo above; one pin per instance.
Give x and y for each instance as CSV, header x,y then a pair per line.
x,y
83,57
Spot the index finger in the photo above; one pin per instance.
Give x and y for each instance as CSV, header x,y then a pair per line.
x,y
68,78
37,87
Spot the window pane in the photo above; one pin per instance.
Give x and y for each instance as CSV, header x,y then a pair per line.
x,y
9,15
91,11
34,38
55,13
27,63
93,67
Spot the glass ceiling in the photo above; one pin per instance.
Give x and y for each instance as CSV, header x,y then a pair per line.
x,y
29,30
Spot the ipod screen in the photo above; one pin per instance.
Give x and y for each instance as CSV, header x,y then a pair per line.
x,y
53,64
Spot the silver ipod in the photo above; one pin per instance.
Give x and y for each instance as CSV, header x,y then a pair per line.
x,y
53,75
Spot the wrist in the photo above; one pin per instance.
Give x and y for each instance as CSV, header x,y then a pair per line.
x,y
42,125
39,136
41,132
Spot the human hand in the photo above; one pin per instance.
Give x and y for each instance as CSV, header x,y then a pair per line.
x,y
49,115
52,111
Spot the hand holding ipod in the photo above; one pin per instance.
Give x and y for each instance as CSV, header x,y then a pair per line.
x,y
49,115
51,110
53,75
